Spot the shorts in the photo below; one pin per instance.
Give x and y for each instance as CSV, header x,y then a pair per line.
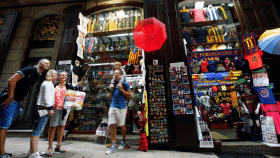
x,y
117,116
57,119
40,124
9,113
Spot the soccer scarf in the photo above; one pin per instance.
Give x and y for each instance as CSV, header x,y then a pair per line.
x,y
133,57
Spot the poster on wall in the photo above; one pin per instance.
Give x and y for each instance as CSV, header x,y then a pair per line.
x,y
83,23
80,52
81,38
74,79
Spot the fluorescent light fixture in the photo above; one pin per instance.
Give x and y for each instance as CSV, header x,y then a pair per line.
x,y
123,34
100,64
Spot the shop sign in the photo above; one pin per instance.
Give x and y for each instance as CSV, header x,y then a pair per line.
x,y
41,52
216,53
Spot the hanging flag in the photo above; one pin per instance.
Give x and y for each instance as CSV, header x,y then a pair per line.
x,y
133,57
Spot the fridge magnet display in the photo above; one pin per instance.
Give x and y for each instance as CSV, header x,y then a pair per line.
x,y
180,85
157,104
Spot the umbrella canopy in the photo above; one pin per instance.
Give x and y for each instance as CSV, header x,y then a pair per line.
x,y
269,41
149,34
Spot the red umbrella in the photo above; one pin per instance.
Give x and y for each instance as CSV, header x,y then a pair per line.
x,y
149,34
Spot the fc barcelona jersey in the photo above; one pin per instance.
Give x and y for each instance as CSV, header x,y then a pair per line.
x,y
250,43
272,110
255,60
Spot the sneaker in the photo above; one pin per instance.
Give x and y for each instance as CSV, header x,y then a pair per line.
x,y
41,153
111,150
35,155
122,145
6,155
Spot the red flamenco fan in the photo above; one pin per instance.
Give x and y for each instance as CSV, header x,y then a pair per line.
x,y
149,34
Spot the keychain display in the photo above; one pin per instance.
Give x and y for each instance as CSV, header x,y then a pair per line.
x,y
157,105
181,97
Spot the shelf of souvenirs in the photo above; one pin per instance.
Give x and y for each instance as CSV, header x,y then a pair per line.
x,y
110,33
112,51
210,23
109,60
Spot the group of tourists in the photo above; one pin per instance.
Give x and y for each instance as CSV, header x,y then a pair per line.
x,y
49,104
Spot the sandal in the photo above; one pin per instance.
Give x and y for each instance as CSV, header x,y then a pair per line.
x,y
62,150
49,154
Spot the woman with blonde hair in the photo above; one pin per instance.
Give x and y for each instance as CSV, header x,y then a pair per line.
x,y
60,115
44,104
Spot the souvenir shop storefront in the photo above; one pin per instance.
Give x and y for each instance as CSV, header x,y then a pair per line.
x,y
230,83
104,38
212,80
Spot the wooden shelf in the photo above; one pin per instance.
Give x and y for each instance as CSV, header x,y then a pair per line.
x,y
108,33
210,23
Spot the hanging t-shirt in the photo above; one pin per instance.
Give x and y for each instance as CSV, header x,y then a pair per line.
x,y
136,69
187,35
216,34
224,12
226,108
249,42
232,33
198,15
212,13
185,15
204,65
196,66
212,65
200,34
205,100
255,60
272,110
266,95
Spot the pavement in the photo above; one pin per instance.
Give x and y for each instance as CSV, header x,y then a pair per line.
x,y
19,147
